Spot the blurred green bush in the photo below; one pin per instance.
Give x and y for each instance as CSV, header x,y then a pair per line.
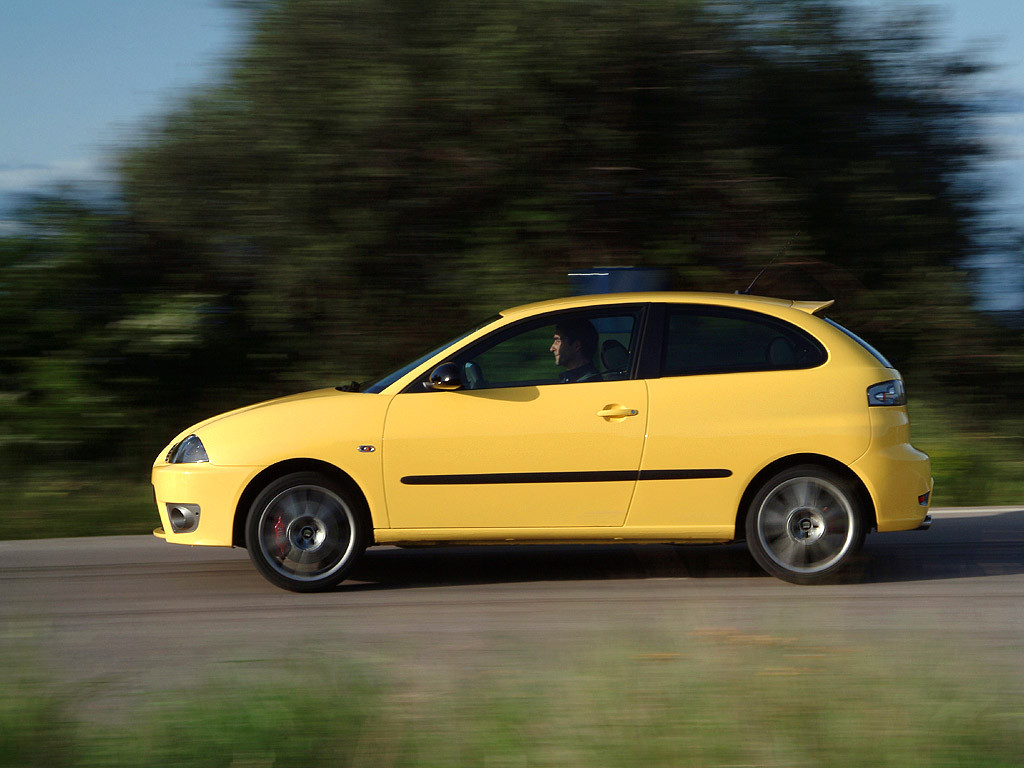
x,y
370,176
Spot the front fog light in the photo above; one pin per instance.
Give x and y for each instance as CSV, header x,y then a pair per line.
x,y
184,518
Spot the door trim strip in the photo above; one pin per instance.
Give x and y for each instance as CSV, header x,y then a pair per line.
x,y
608,476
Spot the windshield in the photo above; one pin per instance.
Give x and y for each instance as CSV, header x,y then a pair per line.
x,y
379,385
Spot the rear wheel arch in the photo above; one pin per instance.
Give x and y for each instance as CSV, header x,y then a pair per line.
x,y
290,466
797,459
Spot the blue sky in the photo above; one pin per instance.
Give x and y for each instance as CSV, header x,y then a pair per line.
x,y
79,77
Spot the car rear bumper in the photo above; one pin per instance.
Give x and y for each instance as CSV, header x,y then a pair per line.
x,y
899,479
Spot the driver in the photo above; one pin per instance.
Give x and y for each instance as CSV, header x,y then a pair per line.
x,y
574,346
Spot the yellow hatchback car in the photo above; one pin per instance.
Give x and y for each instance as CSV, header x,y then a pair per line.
x,y
641,417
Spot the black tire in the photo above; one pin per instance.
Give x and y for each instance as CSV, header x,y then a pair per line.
x,y
805,524
305,532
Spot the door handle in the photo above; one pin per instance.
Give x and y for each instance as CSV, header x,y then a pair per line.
x,y
616,412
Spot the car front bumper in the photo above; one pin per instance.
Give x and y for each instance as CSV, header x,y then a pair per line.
x,y
213,491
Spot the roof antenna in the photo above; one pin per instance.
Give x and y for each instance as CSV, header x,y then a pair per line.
x,y
765,268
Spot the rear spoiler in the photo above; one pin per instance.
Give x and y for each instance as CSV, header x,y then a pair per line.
x,y
812,307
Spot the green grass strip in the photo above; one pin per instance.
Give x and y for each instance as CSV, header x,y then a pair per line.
x,y
726,699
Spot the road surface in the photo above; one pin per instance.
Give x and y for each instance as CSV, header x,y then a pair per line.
x,y
135,612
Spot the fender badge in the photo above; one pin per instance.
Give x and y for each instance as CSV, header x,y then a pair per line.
x,y
366,449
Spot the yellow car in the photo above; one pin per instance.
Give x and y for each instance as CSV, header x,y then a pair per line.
x,y
641,417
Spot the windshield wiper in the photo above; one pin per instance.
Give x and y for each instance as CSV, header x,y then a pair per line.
x,y
351,387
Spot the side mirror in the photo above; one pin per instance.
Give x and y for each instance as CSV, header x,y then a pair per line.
x,y
444,377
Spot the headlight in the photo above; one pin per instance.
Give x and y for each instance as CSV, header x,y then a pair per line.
x,y
188,451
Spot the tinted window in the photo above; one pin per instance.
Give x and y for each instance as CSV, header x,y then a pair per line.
x,y
877,355
522,355
714,340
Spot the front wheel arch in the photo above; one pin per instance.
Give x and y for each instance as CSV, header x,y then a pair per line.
x,y
275,471
780,465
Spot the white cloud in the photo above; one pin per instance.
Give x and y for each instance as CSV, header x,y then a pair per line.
x,y
10,227
34,178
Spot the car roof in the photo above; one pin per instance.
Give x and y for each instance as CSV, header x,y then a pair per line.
x,y
666,297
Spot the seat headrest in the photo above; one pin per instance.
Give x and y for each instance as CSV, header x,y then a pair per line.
x,y
781,352
614,356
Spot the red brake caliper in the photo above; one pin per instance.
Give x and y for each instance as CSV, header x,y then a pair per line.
x,y
279,540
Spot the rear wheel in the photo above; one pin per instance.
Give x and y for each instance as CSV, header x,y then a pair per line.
x,y
305,532
805,524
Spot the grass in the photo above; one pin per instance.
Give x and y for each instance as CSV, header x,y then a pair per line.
x,y
971,466
45,502
721,698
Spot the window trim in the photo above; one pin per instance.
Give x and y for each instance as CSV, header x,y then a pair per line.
x,y
512,329
736,313
648,363
882,359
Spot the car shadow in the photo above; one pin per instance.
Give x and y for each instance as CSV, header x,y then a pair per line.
x,y
965,546
955,547
450,566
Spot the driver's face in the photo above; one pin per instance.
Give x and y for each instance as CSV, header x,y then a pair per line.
x,y
565,352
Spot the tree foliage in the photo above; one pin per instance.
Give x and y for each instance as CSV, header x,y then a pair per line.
x,y
371,174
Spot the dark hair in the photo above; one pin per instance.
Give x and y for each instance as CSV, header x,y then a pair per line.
x,y
578,329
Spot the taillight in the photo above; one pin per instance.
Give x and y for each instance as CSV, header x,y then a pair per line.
x,y
887,393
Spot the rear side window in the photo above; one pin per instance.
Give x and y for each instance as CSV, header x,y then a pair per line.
x,y
721,340
874,352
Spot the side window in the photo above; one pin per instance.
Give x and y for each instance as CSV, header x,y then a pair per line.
x,y
568,347
713,340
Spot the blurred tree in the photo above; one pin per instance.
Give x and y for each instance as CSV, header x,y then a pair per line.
x,y
372,174
108,330
396,160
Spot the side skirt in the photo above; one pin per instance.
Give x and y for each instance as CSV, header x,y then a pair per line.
x,y
603,535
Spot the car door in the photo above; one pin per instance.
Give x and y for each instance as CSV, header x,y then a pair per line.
x,y
735,391
518,446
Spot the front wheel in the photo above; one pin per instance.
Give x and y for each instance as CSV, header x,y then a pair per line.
x,y
305,532
805,524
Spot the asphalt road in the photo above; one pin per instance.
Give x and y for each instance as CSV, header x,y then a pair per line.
x,y
136,612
